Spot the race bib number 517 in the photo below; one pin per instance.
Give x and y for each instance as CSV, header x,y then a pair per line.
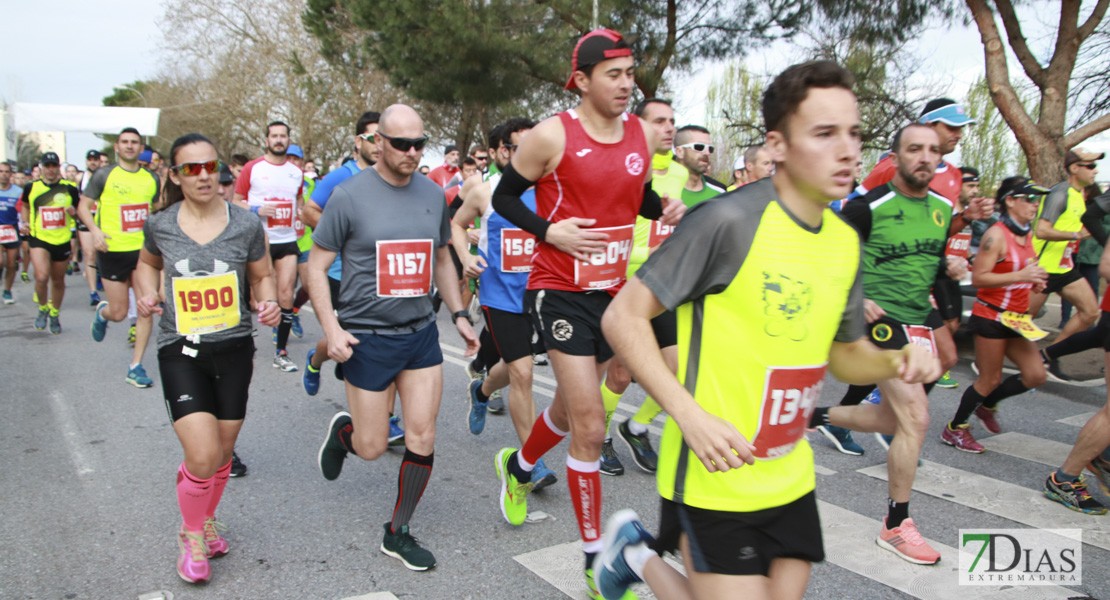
x,y
404,268
789,397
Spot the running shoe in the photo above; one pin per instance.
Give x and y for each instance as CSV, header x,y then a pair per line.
x,y
1101,469
1073,495
960,438
396,434
542,476
841,438
989,418
640,446
283,363
273,335
137,377
99,324
514,495
947,382
611,572
69,268
477,416
332,452
94,298
311,378
8,297
24,278
238,467
402,546
884,440
213,540
43,316
99,284
295,328
610,464
473,374
539,360
906,542
192,561
975,368
496,404
875,397
55,325
591,589
1052,367
34,297
131,336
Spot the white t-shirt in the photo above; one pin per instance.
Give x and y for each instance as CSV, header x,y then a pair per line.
x,y
264,183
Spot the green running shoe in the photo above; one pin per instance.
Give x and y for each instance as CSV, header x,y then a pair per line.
x,y
947,382
514,495
591,589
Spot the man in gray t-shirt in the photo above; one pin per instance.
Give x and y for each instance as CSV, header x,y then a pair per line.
x,y
392,231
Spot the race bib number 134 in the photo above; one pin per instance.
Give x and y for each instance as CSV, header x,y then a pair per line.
x,y
789,397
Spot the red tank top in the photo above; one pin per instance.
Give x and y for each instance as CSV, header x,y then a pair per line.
x,y
1014,297
593,181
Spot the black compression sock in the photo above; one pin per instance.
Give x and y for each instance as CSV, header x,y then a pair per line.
x,y
411,481
1012,386
820,417
968,403
284,327
896,513
856,394
514,468
482,397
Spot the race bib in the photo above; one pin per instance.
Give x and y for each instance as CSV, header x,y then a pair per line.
x,y
517,247
53,217
789,397
206,304
659,232
283,214
1068,261
133,216
1023,324
404,268
959,245
922,336
298,227
606,269
8,234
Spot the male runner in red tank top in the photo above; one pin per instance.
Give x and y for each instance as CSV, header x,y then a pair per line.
x,y
592,172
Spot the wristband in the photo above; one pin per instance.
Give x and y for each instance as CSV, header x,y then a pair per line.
x,y
463,314
254,209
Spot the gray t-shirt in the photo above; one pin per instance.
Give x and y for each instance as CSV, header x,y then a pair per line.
x,y
206,285
387,237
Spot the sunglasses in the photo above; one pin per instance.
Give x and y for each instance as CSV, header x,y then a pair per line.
x,y
194,168
481,158
1086,165
366,137
405,144
1029,199
699,147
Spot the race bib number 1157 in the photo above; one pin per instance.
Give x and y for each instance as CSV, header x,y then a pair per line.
x,y
404,268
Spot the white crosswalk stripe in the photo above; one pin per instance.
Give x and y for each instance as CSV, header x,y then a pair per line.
x,y
1077,420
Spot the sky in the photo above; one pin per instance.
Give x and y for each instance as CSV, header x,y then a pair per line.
x,y
85,41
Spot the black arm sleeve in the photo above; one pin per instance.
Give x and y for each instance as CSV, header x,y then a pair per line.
x,y
652,206
857,212
1092,220
507,203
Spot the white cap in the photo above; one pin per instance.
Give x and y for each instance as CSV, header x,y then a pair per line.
x,y
739,164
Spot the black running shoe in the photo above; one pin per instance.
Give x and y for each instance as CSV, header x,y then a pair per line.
x,y
402,546
238,469
332,453
640,447
610,464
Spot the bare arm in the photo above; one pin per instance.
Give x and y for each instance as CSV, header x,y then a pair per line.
x,y
311,213
991,249
1047,232
474,205
261,279
146,282
240,201
862,363
448,286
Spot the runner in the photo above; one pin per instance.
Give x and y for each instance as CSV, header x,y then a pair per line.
x,y
1005,272
9,227
209,252
904,226
591,167
304,243
270,187
1057,234
444,173
47,207
744,270
385,224
84,236
123,194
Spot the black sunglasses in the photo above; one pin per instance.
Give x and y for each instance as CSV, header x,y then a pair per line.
x,y
405,144
1086,165
194,168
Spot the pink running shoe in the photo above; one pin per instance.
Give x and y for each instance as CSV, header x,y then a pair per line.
x,y
986,416
217,545
961,438
907,543
192,562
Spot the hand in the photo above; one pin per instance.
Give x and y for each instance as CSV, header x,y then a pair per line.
x,y
466,331
71,211
916,364
473,265
269,313
473,235
673,210
871,311
267,210
24,229
979,208
339,345
148,305
569,236
716,442
957,268
1084,234
1033,273
100,240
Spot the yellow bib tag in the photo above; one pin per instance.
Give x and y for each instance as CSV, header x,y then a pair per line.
x,y
206,304
1023,324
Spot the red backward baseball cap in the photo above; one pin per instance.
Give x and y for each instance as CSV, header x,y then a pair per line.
x,y
594,47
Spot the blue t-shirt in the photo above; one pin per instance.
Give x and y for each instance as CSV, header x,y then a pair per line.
x,y
320,195
8,214
503,290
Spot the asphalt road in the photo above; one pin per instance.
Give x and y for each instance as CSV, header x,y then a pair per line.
x,y
89,507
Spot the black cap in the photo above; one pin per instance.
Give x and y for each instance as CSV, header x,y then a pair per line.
x,y
450,148
596,46
1019,185
971,174
225,176
93,154
49,158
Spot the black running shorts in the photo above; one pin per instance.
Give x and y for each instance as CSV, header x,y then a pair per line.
x,y
215,380
280,251
512,333
889,334
58,252
570,322
117,266
742,543
992,330
946,292
1059,281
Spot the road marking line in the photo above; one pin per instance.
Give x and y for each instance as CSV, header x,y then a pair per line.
x,y
1077,420
374,596
1028,447
823,470
1000,498
71,433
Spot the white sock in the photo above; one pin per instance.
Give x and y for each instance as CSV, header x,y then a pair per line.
x,y
637,556
525,465
636,428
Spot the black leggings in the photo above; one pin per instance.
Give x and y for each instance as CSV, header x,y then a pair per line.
x,y
211,377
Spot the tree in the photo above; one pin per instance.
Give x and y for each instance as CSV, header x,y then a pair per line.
x,y
988,144
1045,139
733,114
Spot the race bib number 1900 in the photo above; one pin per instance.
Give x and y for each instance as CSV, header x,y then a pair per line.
x,y
133,216
789,397
606,269
206,304
404,268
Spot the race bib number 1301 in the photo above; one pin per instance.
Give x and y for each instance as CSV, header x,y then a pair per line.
x,y
404,268
789,397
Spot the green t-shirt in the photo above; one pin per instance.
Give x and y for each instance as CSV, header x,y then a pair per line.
x,y
903,249
707,191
